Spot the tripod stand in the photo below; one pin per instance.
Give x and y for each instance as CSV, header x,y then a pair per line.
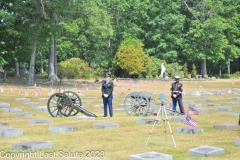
x,y
164,117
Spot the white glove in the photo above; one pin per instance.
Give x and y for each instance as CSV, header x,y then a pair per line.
x,y
105,95
174,95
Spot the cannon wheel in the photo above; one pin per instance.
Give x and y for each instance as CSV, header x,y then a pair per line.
x,y
151,102
59,104
77,102
136,103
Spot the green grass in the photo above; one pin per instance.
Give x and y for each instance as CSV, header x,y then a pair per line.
x,y
129,138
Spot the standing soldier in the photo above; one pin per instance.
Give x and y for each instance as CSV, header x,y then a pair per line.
x,y
107,89
176,95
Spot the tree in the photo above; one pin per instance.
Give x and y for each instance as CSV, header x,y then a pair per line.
x,y
130,57
205,39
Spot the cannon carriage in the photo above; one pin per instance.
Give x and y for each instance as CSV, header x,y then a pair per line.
x,y
67,104
142,104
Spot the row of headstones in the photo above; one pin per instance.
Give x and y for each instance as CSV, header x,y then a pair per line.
x,y
203,151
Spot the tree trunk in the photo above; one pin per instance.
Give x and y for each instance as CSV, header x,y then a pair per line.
x,y
228,67
32,66
203,67
31,80
51,73
17,74
55,55
4,76
220,71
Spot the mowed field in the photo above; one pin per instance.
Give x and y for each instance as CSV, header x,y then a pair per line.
x,y
129,138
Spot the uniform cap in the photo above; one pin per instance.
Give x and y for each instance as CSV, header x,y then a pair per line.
x,y
177,77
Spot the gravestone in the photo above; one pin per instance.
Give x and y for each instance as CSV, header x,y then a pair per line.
x,y
232,103
22,99
41,108
80,94
223,108
151,156
226,126
188,101
26,114
204,100
235,98
39,121
204,110
8,132
43,99
119,110
13,110
213,104
194,105
235,114
31,104
106,125
32,145
98,106
146,121
3,104
122,105
3,124
178,119
83,118
86,102
206,151
189,130
62,128
237,142
92,98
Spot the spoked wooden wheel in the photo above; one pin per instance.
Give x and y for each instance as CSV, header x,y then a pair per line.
x,y
151,101
59,104
136,103
75,100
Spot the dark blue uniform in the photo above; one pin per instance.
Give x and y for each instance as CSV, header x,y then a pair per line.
x,y
176,95
107,88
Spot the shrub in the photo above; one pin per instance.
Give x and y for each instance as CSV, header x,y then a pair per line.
x,y
225,76
194,71
205,76
185,70
74,68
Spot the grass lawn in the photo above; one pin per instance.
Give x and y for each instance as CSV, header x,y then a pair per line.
x,y
129,138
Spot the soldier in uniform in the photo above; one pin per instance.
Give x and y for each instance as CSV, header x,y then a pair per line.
x,y
176,95
107,89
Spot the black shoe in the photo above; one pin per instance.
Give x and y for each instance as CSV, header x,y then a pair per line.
x,y
104,116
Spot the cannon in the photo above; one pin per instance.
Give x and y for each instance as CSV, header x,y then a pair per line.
x,y
142,104
67,104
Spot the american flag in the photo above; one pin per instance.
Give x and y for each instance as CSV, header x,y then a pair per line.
x,y
190,121
193,111
26,93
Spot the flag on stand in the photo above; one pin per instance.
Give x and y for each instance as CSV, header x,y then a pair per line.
x,y
198,93
232,82
86,88
19,91
123,87
193,111
190,121
36,93
2,89
35,85
230,91
26,93
163,69
78,90
11,90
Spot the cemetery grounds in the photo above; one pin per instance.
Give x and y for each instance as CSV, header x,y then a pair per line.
x,y
129,138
